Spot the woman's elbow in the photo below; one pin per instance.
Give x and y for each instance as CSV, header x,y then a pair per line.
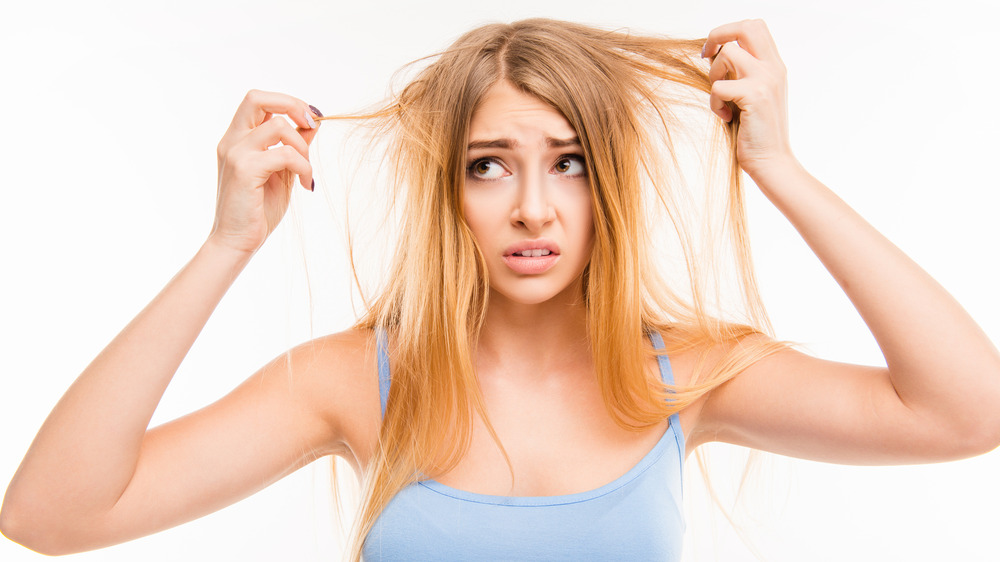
x,y
12,527
975,437
984,439
20,526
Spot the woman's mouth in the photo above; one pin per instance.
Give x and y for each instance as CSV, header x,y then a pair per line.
x,y
532,253
531,257
531,262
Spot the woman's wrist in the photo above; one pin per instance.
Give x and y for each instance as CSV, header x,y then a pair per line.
x,y
771,175
219,252
785,182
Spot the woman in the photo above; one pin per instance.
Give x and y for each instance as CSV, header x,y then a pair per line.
x,y
520,408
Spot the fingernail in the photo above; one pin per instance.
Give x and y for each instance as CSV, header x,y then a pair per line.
x,y
703,50
309,119
312,187
316,111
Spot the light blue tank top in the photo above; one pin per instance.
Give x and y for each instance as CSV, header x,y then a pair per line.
x,y
635,517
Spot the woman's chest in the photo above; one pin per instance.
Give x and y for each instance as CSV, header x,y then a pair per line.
x,y
558,437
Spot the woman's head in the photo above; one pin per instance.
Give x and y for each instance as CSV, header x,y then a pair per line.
x,y
602,83
579,72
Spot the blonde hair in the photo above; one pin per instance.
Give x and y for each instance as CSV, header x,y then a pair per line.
x,y
622,94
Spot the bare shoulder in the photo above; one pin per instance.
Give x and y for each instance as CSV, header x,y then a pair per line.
x,y
684,365
336,376
693,365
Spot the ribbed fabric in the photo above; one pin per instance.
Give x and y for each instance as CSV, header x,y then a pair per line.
x,y
635,517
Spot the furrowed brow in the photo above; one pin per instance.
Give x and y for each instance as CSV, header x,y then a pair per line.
x,y
559,143
496,143
510,144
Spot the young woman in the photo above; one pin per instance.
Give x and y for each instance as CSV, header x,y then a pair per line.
x,y
526,385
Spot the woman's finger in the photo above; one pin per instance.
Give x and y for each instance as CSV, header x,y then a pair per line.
x,y
725,91
721,67
278,160
307,134
752,35
731,64
272,132
257,103
257,108
732,59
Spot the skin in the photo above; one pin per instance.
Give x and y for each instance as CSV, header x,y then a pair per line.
x,y
128,481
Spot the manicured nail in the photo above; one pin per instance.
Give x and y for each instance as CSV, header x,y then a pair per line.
x,y
309,119
703,50
316,111
313,186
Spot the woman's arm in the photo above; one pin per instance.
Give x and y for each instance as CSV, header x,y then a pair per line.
x,y
85,454
938,398
94,475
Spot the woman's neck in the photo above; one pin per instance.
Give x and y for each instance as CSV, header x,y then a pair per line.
x,y
534,338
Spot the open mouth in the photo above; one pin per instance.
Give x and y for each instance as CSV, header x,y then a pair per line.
x,y
532,253
531,262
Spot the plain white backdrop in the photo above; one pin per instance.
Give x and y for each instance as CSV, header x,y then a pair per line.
x,y
111,115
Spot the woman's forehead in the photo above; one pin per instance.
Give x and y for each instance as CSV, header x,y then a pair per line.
x,y
507,113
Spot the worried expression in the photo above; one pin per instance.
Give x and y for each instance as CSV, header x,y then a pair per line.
x,y
527,197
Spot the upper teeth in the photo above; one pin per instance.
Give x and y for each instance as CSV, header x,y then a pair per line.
x,y
533,253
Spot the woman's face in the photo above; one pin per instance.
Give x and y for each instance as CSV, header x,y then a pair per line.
x,y
527,198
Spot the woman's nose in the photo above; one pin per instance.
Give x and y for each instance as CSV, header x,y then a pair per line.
x,y
533,208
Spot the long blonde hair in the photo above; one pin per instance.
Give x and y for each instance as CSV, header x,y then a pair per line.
x,y
625,95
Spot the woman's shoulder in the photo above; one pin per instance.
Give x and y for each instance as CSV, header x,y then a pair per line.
x,y
703,362
336,376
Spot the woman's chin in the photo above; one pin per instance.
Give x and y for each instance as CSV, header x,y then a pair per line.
x,y
533,294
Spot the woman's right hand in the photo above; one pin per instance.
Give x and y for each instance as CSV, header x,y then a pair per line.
x,y
255,176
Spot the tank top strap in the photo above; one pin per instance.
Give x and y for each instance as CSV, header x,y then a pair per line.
x,y
384,381
666,373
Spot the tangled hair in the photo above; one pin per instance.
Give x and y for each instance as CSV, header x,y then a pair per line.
x,y
623,94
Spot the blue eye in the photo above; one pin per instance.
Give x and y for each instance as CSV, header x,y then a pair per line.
x,y
486,169
570,166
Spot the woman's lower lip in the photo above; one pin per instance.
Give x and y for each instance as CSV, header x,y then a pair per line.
x,y
531,266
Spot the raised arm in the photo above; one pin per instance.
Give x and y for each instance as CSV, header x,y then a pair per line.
x,y
94,475
938,398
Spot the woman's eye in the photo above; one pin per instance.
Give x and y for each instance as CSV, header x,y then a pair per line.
x,y
570,166
486,169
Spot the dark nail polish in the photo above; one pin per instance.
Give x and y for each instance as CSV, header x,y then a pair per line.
x,y
316,111
313,186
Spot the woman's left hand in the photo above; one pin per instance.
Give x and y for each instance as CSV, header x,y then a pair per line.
x,y
747,71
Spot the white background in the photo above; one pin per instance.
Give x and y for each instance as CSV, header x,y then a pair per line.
x,y
111,114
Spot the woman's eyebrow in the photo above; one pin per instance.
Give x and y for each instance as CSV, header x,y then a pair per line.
x,y
559,143
511,143
496,143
